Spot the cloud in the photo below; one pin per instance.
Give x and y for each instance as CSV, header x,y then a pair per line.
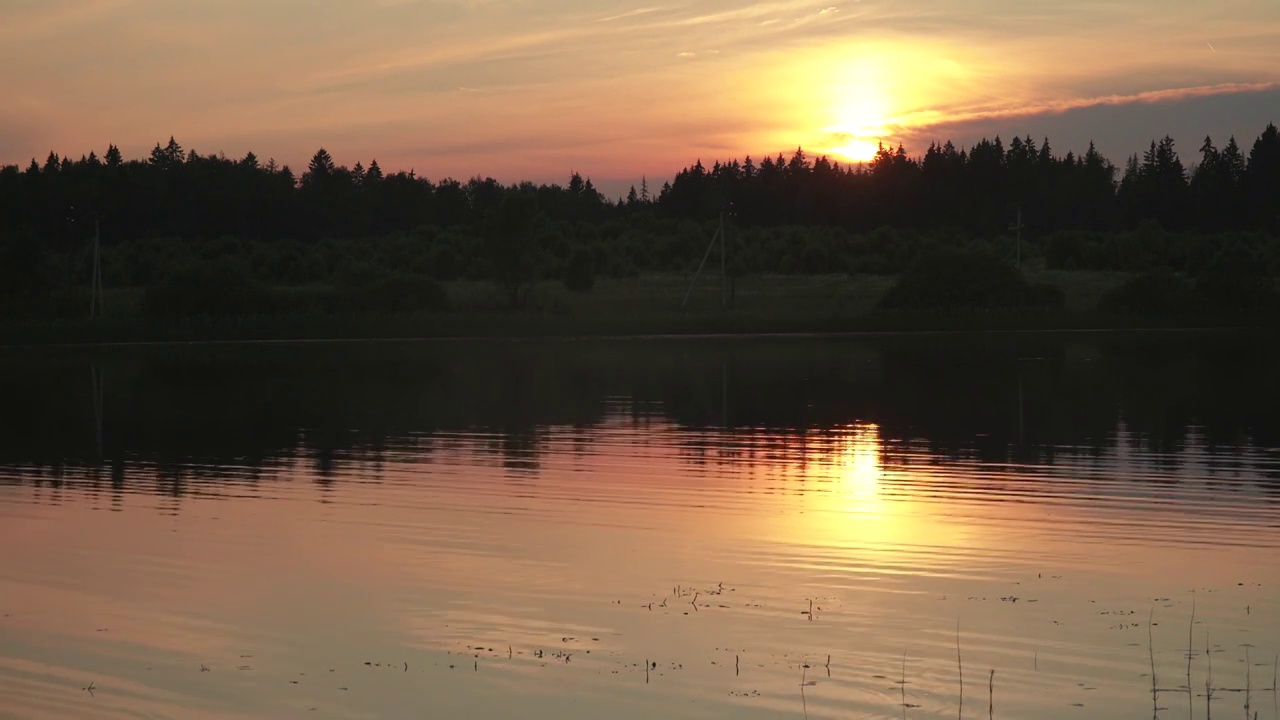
x,y
629,14
1053,107
54,17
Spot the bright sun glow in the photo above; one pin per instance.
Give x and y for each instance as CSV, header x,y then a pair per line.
x,y
845,100
860,109
857,149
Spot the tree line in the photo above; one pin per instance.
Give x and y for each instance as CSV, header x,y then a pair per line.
x,y
177,192
182,219
982,190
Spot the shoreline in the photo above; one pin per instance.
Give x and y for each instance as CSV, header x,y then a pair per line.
x,y
570,337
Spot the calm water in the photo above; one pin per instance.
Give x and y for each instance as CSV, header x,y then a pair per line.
x,y
643,529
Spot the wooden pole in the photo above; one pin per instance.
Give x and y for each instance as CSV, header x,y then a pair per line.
x,y
95,282
724,273
705,255
1018,241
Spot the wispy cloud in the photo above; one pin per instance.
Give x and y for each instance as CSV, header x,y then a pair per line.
x,y
629,14
36,20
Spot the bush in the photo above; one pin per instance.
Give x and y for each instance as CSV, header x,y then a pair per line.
x,y
973,280
546,299
396,294
1159,292
1065,251
1044,295
1237,280
445,262
213,288
1145,247
26,277
579,274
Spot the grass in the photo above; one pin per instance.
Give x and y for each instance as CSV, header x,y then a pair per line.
x,y
646,305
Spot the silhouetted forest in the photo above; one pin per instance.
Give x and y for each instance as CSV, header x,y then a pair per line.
x,y
207,234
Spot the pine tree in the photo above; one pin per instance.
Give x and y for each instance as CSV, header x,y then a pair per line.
x,y
321,166
1262,180
168,156
1233,165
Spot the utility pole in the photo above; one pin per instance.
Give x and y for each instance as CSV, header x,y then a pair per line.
x,y
722,237
724,274
95,292
707,254
1018,241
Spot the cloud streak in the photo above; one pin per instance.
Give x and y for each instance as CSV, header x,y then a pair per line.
x,y
928,119
629,14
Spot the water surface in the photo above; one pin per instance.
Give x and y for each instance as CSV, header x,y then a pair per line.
x,y
636,529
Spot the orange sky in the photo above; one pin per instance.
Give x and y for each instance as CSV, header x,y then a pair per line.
x,y
616,89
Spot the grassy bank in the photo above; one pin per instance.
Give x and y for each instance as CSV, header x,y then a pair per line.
x,y
645,305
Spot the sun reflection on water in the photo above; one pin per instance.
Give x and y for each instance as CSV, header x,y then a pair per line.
x,y
861,466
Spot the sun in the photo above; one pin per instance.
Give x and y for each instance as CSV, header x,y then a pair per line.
x,y
844,98
860,107
856,149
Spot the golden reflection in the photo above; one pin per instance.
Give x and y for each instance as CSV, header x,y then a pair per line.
x,y
850,500
861,465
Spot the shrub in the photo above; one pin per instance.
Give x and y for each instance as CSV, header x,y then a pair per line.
x,y
579,274
973,280
212,288
1236,280
26,277
1144,247
1159,292
1044,295
445,262
1065,251
397,294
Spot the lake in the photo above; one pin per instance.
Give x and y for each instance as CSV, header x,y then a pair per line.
x,y
1013,526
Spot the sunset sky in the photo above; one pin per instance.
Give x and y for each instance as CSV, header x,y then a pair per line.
x,y
531,89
